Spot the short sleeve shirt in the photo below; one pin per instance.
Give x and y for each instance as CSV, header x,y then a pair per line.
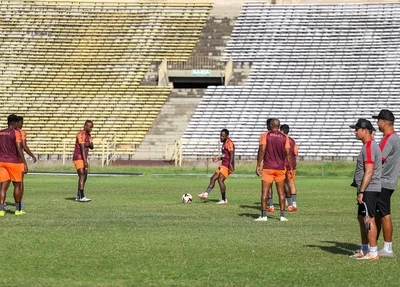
x,y
8,148
275,153
227,147
390,148
82,138
369,154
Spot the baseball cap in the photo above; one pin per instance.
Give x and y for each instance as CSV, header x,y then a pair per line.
x,y
363,124
385,115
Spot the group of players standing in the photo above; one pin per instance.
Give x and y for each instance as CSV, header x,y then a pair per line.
x,y
13,164
277,153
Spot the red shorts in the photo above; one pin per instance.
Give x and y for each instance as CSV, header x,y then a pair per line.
x,y
271,175
291,178
224,170
14,171
79,164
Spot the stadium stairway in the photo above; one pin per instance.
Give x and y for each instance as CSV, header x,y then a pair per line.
x,y
169,124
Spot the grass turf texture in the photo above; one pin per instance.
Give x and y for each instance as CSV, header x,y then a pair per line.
x,y
136,232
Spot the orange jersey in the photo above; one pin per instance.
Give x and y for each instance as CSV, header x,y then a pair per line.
x,y
276,142
8,148
85,139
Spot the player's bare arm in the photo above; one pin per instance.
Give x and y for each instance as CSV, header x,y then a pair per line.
x,y
216,158
288,155
369,171
231,159
28,151
21,156
84,155
261,153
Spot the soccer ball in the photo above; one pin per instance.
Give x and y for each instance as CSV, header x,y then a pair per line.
x,y
187,198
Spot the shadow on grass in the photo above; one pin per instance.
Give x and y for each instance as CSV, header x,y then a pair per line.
x,y
210,200
337,247
251,215
251,206
70,198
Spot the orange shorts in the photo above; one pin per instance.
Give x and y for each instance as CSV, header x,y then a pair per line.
x,y
224,170
4,176
271,175
79,164
288,177
13,170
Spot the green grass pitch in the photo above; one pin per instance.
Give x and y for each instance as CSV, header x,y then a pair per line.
x,y
136,232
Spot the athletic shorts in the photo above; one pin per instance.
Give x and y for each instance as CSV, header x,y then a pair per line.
x,y
4,176
370,198
291,178
224,170
79,164
271,175
13,170
383,203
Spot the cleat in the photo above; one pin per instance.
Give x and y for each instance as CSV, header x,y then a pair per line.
x,y
222,201
292,208
368,257
77,198
357,255
261,218
203,195
271,209
283,218
20,212
84,199
385,253
2,213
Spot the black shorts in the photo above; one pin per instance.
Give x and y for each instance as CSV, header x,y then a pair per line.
x,y
383,203
370,198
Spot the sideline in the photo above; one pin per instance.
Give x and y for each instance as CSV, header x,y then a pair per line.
x,y
89,174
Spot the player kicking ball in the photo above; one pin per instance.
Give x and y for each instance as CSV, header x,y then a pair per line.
x,y
224,170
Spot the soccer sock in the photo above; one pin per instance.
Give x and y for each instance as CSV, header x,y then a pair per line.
x,y
289,201
81,194
270,202
223,194
373,251
386,245
282,213
294,199
1,207
208,190
364,248
78,194
263,213
18,206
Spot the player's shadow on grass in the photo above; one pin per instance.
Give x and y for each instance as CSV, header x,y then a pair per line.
x,y
337,247
70,198
251,215
210,200
257,206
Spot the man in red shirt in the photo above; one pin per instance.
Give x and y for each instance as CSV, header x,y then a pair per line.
x,y
274,149
11,158
225,169
81,152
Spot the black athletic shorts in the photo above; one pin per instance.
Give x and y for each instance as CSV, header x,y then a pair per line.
x,y
383,203
370,198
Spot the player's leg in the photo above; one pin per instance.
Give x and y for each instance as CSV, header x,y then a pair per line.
x,y
280,188
271,207
82,175
3,192
213,179
291,191
17,196
266,183
222,187
383,220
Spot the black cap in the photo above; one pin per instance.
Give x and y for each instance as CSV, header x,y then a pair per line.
x,y
363,124
385,115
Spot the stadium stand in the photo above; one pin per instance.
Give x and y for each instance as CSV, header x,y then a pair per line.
x,y
64,62
315,67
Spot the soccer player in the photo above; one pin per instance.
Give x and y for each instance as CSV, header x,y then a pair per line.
x,y
271,207
290,187
11,157
225,169
273,150
82,145
367,178
390,148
